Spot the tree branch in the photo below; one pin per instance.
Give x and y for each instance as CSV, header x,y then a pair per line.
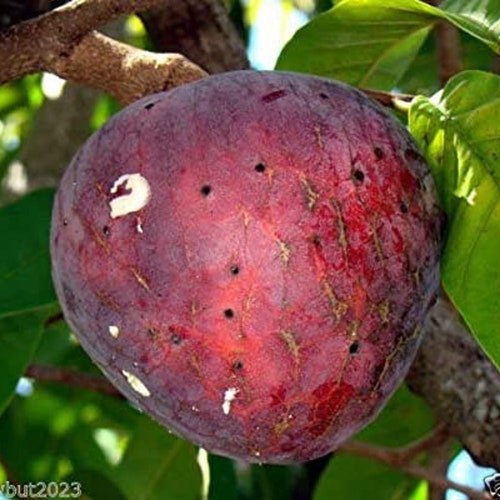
x,y
62,42
460,383
72,378
392,458
28,46
122,71
199,29
439,461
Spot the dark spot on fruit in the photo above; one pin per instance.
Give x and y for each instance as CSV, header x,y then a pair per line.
x,y
206,190
353,348
323,95
235,270
106,230
260,167
229,313
316,240
358,175
65,222
176,339
237,366
379,153
149,105
403,207
273,96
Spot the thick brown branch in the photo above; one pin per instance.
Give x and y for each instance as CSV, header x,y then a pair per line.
x,y
62,42
124,72
460,383
199,29
392,458
46,373
29,47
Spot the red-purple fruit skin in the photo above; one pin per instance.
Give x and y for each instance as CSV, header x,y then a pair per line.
x,y
269,296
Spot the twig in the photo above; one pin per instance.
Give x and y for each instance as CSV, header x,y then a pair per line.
x,y
73,378
436,437
392,458
439,461
392,100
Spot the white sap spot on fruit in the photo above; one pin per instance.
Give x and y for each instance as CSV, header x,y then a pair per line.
x,y
136,384
229,396
133,201
114,331
195,409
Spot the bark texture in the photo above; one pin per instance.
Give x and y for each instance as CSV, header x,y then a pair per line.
x,y
460,383
201,30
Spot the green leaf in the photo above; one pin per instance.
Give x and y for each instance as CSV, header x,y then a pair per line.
x,y
372,43
459,131
223,483
480,18
367,43
359,478
19,337
94,484
269,482
25,279
157,465
404,419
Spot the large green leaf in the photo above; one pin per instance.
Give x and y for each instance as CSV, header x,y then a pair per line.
x,y
94,485
367,43
404,419
459,131
25,280
158,465
19,337
371,43
480,18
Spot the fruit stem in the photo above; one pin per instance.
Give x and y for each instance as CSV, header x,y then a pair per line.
x,y
402,105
